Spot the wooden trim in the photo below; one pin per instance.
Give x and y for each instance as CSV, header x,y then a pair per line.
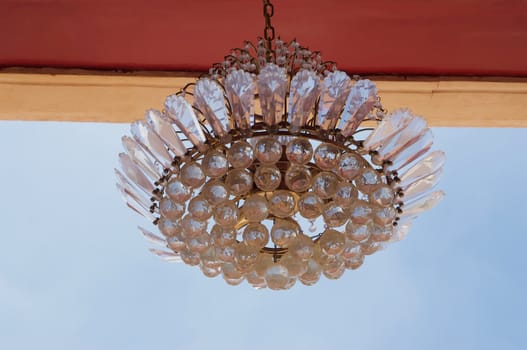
x,y
99,96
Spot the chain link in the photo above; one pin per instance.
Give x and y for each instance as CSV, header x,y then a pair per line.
x,y
268,12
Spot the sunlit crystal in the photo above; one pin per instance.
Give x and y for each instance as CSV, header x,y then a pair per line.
x,y
301,247
140,158
422,186
387,128
143,134
303,94
312,274
134,173
381,233
352,250
272,86
223,236
413,151
368,181
198,243
276,276
239,86
428,165
168,227
208,97
383,216
335,90
294,266
424,203
192,227
360,102
176,243
361,212
382,196
346,194
245,257
404,138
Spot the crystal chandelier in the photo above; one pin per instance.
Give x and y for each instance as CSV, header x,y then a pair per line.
x,y
277,167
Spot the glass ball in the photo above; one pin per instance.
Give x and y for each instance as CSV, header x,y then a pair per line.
x,y
239,182
332,242
276,276
282,203
255,208
325,184
215,192
177,191
170,209
298,178
230,271
189,258
240,155
358,232
350,165
361,212
198,243
346,194
256,234
294,266
199,208
310,205
256,281
263,261
334,214
192,227
381,233
210,272
368,181
327,156
233,281
268,150
168,227
322,258
299,151
267,177
312,274
383,196
335,270
214,164
208,257
176,243
245,257
351,250
370,247
226,253
226,214
223,236
284,232
355,263
302,247
192,175
383,216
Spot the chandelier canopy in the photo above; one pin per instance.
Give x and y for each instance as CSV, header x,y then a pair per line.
x,y
277,167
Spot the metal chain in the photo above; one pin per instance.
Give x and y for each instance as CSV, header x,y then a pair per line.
x,y
268,12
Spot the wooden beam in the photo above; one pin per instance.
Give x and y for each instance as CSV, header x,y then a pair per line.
x,y
99,96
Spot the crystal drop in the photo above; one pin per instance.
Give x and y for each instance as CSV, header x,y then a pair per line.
x,y
312,275
358,232
299,151
381,233
192,175
135,174
239,86
332,242
371,247
422,186
336,272
312,227
256,234
177,191
255,208
294,266
151,142
166,256
298,178
208,256
335,90
361,212
310,205
222,236
368,181
272,85
129,190
351,250
182,114
325,184
404,138
284,232
234,281
414,208
137,203
303,93
210,272
413,151
170,209
263,261
276,276
301,247
268,150
267,177
360,102
387,128
176,243
346,194
140,158
165,131
168,228
428,165
239,182
152,238
282,203
215,192
327,156
208,97
383,196
192,227
189,257
226,253
383,216
400,232
226,214
214,164
240,155
199,208
355,263
350,165
198,244
245,257
334,214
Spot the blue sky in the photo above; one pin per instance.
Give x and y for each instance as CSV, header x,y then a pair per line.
x,y
76,274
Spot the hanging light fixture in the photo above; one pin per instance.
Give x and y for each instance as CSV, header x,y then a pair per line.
x,y
277,167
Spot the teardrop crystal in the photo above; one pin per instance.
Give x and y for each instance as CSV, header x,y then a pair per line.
x,y
387,128
165,131
182,114
272,85
302,97
360,102
423,168
208,97
139,157
335,90
239,86
151,142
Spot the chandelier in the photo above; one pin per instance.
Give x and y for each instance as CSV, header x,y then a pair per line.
x,y
276,167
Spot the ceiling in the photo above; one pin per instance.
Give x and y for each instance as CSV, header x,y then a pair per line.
x,y
448,37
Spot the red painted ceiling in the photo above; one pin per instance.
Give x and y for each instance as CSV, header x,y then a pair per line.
x,y
456,37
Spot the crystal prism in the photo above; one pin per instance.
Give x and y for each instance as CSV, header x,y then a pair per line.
x,y
335,88
400,232
134,173
423,168
124,184
151,142
272,86
422,186
181,112
360,102
165,131
139,157
208,97
164,255
413,151
135,204
387,128
303,94
152,238
404,138
132,197
414,208
239,86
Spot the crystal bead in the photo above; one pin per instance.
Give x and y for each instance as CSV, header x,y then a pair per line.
x,y
245,257
284,232
381,233
210,272
298,178
263,261
428,165
282,203
355,263
230,271
310,205
226,214
255,208
334,214
176,243
267,177
299,151
182,114
325,184
351,250
223,236
346,194
208,256
226,253
239,86
151,142
302,247
214,164
358,232
170,209
191,227
303,93
359,104
177,190
350,165
371,247
335,90
327,156
332,242
192,175
276,276
199,208
383,196
208,97
335,269
165,131
272,86
198,244
234,281
383,216
294,266
368,181
168,227
215,192
387,128
239,182
256,234
257,282
268,150
240,155
312,274
361,212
